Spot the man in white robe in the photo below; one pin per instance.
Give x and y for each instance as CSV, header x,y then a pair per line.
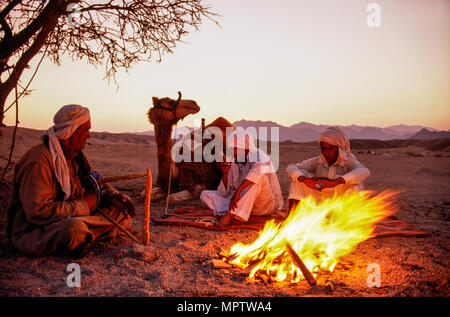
x,y
335,170
249,184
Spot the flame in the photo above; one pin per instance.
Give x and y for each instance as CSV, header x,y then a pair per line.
x,y
320,233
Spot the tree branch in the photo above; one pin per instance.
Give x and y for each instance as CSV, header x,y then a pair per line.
x,y
113,33
26,57
8,9
9,45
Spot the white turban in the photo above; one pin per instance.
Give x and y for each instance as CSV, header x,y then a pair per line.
x,y
335,136
66,120
241,139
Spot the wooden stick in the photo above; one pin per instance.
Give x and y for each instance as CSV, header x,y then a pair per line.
x,y
168,189
306,273
120,178
146,220
118,225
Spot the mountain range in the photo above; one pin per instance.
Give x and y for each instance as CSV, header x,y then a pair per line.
x,y
307,132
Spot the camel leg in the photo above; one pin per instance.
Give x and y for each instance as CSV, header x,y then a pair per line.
x,y
158,193
175,172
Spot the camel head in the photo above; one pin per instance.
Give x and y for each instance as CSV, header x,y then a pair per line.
x,y
167,110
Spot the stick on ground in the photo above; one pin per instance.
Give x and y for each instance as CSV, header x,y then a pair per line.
x,y
146,220
120,178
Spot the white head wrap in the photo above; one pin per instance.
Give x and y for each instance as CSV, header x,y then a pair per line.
x,y
335,136
66,121
241,139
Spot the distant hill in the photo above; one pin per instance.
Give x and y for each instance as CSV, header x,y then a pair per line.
x,y
122,137
407,129
307,132
299,132
26,138
425,134
148,132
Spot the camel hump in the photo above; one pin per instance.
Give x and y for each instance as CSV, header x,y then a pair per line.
x,y
221,123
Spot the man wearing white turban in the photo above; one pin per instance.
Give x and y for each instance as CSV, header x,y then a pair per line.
x,y
336,170
51,210
249,185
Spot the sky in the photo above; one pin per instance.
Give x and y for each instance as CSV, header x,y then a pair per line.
x,y
285,61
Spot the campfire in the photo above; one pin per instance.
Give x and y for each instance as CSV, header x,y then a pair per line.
x,y
313,237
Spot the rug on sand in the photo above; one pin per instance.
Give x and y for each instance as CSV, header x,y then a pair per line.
x,y
204,218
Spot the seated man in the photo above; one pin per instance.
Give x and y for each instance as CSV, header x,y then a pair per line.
x,y
249,184
51,210
335,170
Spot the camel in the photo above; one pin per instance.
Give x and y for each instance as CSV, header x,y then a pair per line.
x,y
191,176
164,114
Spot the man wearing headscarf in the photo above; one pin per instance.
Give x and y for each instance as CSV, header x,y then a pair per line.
x,y
335,170
51,210
249,183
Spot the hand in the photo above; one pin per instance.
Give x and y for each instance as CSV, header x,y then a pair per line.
x,y
330,183
319,183
91,200
124,204
311,183
234,200
237,194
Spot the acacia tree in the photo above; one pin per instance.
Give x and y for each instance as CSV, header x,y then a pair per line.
x,y
116,33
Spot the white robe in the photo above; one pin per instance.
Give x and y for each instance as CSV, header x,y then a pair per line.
x,y
346,166
262,198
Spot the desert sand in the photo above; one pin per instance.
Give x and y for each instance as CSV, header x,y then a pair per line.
x,y
178,261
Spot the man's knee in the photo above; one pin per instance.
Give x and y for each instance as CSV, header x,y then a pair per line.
x,y
207,195
74,230
74,224
298,190
203,194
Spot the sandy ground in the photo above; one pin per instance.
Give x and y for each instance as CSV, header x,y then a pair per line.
x,y
178,261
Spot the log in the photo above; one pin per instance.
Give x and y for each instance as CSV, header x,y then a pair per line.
x,y
180,196
146,220
330,286
306,273
156,193
263,277
105,180
219,264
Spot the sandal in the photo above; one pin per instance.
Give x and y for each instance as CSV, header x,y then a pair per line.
x,y
207,221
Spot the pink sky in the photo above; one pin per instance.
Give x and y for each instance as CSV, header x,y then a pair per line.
x,y
285,61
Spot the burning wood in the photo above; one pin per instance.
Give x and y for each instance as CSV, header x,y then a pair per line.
x,y
306,273
321,232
